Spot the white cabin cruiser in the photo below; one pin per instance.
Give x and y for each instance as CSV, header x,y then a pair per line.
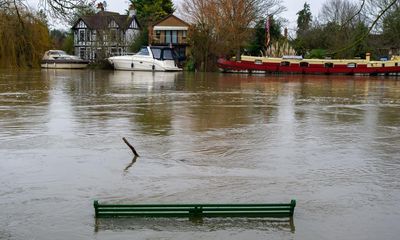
x,y
60,59
150,58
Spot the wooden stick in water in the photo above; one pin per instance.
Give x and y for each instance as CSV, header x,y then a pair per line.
x,y
131,147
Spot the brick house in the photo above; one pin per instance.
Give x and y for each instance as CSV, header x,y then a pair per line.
x,y
170,31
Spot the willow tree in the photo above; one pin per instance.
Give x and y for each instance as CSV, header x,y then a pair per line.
x,y
224,27
23,39
24,35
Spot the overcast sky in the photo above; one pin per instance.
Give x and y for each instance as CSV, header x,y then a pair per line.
x,y
293,6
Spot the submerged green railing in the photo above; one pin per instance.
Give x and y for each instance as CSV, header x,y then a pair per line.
x,y
275,210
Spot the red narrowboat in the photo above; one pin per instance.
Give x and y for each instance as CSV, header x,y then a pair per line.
x,y
298,65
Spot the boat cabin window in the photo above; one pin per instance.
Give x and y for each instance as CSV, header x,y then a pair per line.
x,y
57,53
383,65
168,54
396,64
328,65
143,52
303,64
352,65
258,61
156,53
285,64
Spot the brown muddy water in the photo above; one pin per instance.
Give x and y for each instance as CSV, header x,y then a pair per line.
x,y
330,142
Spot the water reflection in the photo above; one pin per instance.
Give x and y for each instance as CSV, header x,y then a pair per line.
x,y
198,224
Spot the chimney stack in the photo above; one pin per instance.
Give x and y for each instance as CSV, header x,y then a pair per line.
x,y
100,7
132,10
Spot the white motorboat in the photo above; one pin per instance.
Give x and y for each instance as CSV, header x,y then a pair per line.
x,y
60,59
150,58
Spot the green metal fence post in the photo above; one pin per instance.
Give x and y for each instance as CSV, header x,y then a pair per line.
x,y
292,205
96,207
197,211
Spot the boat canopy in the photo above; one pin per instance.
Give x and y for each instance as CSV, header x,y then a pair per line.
x,y
295,57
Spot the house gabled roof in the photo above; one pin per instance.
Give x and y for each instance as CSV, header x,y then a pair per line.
x,y
101,20
171,16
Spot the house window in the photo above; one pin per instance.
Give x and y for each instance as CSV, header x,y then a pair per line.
x,y
113,51
94,36
88,35
175,36
82,53
89,53
167,37
171,36
183,39
81,35
158,34
328,65
113,35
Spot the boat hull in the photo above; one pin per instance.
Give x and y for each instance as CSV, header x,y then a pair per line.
x,y
128,63
296,67
54,64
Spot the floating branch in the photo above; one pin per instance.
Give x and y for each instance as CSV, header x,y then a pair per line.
x,y
131,147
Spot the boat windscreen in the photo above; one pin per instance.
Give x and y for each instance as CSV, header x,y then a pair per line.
x,y
156,53
143,52
56,52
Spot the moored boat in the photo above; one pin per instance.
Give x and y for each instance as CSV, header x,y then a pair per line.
x,y
150,58
61,60
298,65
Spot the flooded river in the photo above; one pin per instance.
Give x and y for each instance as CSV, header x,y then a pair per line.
x,y
331,142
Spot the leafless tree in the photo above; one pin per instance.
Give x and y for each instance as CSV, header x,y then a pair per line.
x,y
63,8
58,9
228,23
371,12
338,11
